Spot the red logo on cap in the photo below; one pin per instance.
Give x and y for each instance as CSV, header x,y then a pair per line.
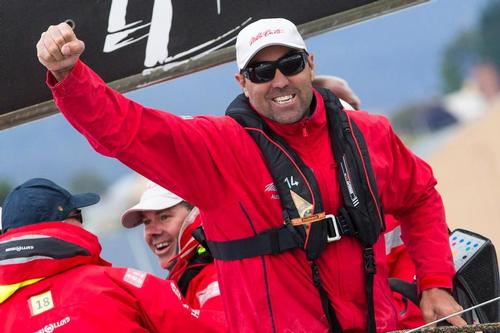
x,y
266,33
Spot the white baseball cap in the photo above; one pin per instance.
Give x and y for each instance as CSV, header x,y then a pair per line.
x,y
154,198
264,33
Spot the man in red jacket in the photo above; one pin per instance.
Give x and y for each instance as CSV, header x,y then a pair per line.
x,y
289,186
169,222
53,278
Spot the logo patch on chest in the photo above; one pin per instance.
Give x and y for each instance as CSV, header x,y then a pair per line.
x,y
271,188
40,303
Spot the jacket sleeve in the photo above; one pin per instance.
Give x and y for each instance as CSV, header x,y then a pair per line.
x,y
159,145
204,290
409,193
161,305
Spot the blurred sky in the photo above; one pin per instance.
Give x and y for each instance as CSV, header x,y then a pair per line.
x,y
389,61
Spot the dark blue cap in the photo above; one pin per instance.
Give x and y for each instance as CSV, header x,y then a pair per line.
x,y
41,200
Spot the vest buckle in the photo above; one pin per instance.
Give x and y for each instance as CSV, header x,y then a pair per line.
x,y
332,233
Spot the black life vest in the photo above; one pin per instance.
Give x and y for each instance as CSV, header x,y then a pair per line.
x,y
305,223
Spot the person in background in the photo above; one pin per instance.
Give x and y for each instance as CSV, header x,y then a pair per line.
x,y
169,222
400,265
162,214
340,88
290,186
53,278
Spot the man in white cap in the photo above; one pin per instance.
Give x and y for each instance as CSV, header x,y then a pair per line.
x,y
169,222
289,185
162,214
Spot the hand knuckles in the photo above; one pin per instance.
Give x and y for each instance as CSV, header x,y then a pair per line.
x,y
68,35
53,49
43,56
59,40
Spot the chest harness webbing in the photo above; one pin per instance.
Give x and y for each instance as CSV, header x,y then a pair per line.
x,y
307,226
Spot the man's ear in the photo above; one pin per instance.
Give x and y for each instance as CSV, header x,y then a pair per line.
x,y
242,82
310,61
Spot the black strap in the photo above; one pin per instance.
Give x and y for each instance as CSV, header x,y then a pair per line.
x,y
199,235
272,241
370,270
355,176
325,301
406,289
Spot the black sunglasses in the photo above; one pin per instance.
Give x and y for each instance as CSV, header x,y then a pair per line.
x,y
75,214
290,64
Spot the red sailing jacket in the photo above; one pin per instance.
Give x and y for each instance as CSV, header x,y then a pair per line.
x,y
53,280
203,289
213,163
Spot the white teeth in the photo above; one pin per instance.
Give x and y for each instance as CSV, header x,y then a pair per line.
x,y
161,245
283,99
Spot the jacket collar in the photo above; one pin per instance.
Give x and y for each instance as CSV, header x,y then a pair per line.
x,y
187,244
191,222
31,253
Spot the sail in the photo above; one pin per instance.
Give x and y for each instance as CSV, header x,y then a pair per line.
x,y
134,43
